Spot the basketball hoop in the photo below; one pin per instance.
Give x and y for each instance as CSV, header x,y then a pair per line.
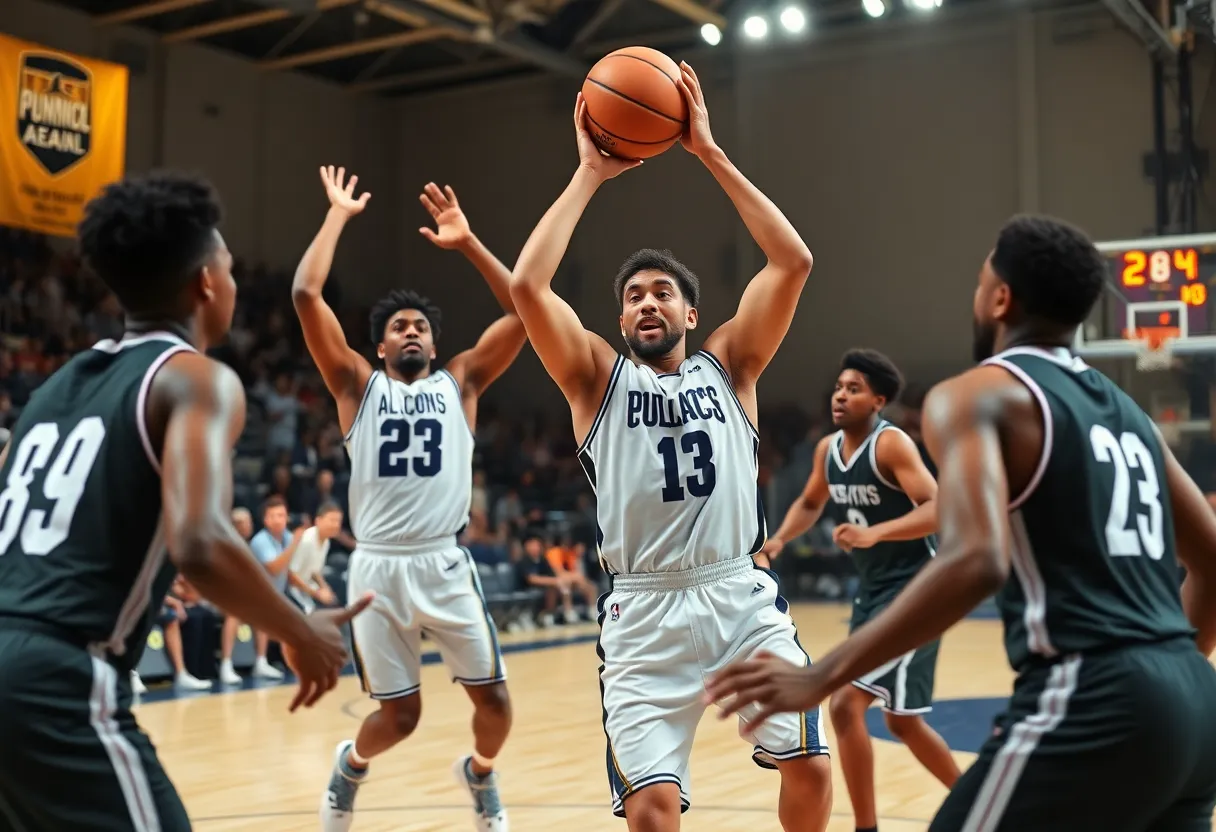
x,y
1155,352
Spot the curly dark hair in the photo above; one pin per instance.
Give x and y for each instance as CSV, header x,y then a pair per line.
x,y
881,374
145,237
1053,269
394,302
650,259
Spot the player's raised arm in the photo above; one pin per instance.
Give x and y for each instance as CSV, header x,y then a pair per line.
x,y
747,343
1195,537
578,360
201,406
897,453
806,510
961,431
476,368
344,370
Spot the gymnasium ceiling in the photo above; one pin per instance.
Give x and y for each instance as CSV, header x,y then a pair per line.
x,y
399,47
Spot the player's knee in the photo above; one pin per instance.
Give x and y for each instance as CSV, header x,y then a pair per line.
x,y
901,725
844,709
494,701
403,715
810,778
654,808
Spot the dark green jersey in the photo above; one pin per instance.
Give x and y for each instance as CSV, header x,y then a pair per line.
x,y
861,495
1094,564
82,547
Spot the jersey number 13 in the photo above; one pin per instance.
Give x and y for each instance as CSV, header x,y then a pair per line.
x,y
1123,453
695,444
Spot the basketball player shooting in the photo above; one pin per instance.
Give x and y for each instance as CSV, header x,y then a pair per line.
x,y
124,452
1047,467
869,477
668,442
409,433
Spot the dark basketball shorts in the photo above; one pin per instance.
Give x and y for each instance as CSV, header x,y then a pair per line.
x,y
1118,741
73,757
904,685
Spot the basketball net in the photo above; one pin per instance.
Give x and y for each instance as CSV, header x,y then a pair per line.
x,y
1155,353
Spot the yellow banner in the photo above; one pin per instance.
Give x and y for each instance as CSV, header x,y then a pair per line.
x,y
63,134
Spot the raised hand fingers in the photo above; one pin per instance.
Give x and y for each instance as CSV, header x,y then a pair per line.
x,y
451,195
350,186
695,84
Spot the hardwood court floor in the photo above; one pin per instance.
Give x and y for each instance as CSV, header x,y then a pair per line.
x,y
242,762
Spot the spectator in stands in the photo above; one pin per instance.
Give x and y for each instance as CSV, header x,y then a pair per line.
x,y
534,570
566,561
274,546
282,411
308,586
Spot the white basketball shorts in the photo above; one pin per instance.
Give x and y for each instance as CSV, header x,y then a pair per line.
x,y
436,592
661,636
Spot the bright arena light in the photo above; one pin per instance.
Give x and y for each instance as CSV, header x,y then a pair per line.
x,y
874,8
926,5
711,34
792,19
755,27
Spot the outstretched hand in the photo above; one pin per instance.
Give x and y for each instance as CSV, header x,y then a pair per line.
x,y
342,196
697,138
319,660
589,154
452,226
773,684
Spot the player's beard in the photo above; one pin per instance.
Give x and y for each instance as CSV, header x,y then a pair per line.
x,y
983,340
650,350
411,363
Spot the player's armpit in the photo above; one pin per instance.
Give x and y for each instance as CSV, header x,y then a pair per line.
x,y
481,365
898,454
1195,537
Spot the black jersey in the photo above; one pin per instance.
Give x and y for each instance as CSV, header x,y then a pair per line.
x,y
859,494
1094,562
82,546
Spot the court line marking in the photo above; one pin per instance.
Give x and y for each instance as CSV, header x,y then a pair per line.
x,y
565,807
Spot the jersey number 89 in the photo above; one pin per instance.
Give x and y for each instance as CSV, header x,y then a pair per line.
x,y
62,486
1124,452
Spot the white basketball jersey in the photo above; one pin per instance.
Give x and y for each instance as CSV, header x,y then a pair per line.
x,y
411,458
672,459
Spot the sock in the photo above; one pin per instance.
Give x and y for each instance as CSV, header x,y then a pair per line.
x,y
352,764
483,762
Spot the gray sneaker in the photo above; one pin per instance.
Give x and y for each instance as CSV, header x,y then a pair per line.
x,y
338,802
488,814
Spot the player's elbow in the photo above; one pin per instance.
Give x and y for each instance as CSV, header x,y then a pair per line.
x,y
987,568
193,548
797,262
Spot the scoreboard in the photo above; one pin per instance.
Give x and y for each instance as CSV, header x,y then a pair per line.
x,y
1164,271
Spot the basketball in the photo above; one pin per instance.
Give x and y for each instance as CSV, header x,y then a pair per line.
x,y
634,108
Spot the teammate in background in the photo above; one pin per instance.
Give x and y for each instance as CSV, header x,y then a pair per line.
x,y
409,433
125,450
668,441
870,478
1046,463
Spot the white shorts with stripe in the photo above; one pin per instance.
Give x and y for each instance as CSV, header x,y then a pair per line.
x,y
661,635
431,587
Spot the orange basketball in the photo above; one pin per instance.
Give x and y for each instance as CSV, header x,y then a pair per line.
x,y
634,108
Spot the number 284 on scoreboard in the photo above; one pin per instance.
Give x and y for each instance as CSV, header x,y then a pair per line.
x,y
1165,273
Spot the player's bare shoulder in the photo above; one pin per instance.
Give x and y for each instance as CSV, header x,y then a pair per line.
x,y
190,379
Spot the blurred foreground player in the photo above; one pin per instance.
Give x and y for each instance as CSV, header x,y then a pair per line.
x,y
1050,472
668,441
123,452
409,433
869,477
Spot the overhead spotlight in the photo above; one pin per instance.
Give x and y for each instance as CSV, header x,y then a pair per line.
x,y
926,5
793,19
874,8
755,27
711,34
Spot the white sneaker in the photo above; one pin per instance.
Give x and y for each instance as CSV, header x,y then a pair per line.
x,y
185,681
137,684
338,801
265,670
228,674
488,813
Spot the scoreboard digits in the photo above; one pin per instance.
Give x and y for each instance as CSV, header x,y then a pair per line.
x,y
1167,273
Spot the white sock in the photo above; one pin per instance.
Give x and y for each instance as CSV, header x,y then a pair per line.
x,y
483,762
355,759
